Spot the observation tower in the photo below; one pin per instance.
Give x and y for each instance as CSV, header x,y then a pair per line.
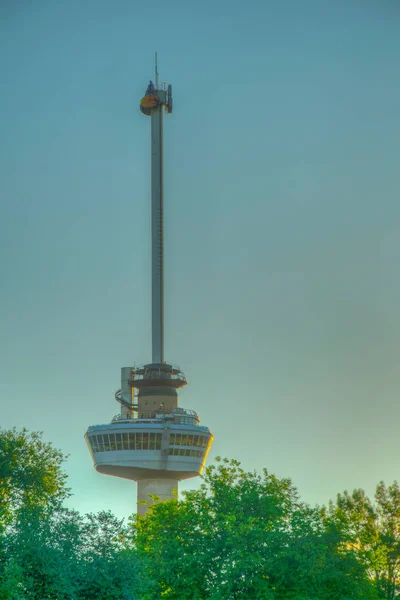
x,y
152,441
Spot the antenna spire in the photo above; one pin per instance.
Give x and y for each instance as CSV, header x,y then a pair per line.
x,y
154,104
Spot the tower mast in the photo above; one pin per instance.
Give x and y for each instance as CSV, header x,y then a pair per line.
x,y
164,443
157,225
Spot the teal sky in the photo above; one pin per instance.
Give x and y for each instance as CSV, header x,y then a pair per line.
x,y
282,222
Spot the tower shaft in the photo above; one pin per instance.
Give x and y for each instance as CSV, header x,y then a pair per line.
x,y
157,233
153,441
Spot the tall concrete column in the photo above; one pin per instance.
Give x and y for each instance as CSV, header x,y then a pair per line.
x,y
165,489
157,233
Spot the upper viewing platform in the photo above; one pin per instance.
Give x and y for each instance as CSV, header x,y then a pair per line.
x,y
178,416
157,374
155,97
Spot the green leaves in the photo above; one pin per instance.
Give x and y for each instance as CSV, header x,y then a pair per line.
x,y
64,556
30,473
372,531
47,551
244,535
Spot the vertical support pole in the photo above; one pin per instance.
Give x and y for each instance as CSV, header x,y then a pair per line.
x,y
164,489
126,391
157,234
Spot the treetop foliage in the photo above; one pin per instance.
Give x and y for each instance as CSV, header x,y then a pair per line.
x,y
31,473
244,535
241,535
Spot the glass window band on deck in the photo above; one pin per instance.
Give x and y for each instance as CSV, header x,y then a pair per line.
x,y
107,442
195,445
186,452
183,439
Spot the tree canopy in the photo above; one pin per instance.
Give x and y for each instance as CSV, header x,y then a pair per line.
x,y
245,535
372,530
31,473
241,535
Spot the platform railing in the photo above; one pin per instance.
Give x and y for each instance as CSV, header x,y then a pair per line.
x,y
161,415
154,372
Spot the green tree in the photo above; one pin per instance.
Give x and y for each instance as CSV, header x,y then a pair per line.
x,y
372,530
110,567
50,552
32,484
64,556
387,507
11,586
44,549
30,473
244,535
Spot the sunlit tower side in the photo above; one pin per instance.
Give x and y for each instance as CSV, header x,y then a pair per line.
x,y
152,440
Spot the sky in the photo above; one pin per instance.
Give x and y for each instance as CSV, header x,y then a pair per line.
x,y
282,229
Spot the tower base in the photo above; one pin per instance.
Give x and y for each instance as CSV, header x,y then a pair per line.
x,y
164,489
